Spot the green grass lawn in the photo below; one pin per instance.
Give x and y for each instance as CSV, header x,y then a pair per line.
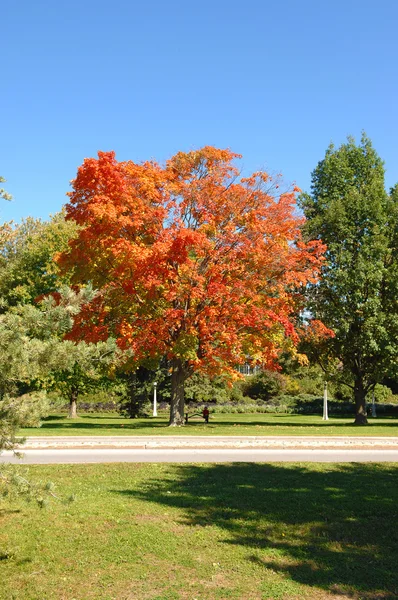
x,y
220,424
205,532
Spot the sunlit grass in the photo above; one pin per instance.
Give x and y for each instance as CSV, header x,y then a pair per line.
x,y
171,532
220,424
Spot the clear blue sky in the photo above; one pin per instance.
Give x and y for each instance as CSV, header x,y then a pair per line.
x,y
273,80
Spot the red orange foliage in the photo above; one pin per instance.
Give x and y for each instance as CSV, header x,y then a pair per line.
x,y
191,261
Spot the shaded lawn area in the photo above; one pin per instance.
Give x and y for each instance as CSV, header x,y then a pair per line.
x,y
220,424
180,532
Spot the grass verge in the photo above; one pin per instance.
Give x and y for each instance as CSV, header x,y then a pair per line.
x,y
206,532
220,424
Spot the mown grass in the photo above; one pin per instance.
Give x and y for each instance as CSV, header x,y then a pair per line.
x,y
206,532
220,424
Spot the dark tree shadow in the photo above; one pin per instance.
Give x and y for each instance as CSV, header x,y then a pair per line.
x,y
76,426
213,427
9,511
336,525
330,424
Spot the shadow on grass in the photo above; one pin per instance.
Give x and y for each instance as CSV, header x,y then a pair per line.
x,y
84,425
65,423
300,424
331,526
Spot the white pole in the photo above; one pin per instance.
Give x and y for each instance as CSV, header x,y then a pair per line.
x,y
325,402
155,407
373,404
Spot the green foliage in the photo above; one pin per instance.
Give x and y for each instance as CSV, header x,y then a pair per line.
x,y
104,399
31,343
25,411
200,388
311,382
301,378
31,336
27,268
31,347
135,390
382,394
349,209
89,369
264,385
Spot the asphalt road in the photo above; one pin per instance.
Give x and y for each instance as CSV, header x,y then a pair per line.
x,y
186,455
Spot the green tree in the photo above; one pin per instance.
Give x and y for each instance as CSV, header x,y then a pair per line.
x,y
27,249
89,370
351,212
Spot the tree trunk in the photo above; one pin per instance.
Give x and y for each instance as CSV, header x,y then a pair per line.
x,y
72,405
133,405
178,376
360,402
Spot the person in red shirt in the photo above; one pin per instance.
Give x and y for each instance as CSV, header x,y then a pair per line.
x,y
206,414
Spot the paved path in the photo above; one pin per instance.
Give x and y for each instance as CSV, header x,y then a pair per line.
x,y
191,455
183,448
213,442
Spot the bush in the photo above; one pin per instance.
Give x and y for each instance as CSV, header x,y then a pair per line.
x,y
292,386
304,404
264,385
200,388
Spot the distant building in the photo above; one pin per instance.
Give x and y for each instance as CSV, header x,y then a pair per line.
x,y
247,369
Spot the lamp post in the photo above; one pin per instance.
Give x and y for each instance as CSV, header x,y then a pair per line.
x,y
155,407
373,404
325,402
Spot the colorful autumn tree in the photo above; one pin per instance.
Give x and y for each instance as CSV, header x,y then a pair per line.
x,y
192,262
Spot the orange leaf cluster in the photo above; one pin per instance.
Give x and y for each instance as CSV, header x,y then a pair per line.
x,y
191,261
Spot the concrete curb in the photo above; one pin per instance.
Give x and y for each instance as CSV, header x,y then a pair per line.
x,y
211,442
